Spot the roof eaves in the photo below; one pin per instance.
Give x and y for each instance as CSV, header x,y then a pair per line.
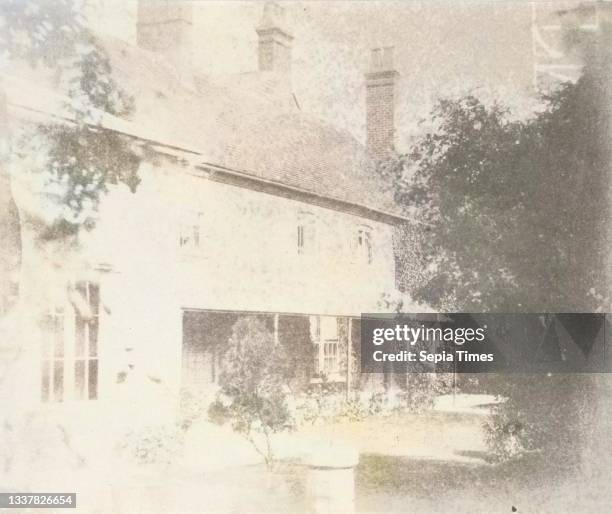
x,y
246,179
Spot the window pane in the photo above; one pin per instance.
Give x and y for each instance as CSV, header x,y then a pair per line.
x,y
79,350
330,352
190,230
93,337
306,232
195,236
93,379
368,248
58,337
300,238
81,288
45,381
315,328
58,381
79,379
183,239
94,298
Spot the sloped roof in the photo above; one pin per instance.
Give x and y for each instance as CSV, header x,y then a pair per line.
x,y
249,124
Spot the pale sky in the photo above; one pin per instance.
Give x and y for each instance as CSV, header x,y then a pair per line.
x,y
441,47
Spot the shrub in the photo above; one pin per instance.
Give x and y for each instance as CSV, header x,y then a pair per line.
x,y
547,413
157,444
192,408
253,386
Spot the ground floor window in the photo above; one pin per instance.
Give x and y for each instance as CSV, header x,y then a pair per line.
x,y
70,347
53,362
86,343
325,335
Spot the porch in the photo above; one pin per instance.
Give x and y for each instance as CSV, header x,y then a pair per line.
x,y
322,348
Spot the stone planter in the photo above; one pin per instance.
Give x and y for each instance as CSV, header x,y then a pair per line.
x,y
331,479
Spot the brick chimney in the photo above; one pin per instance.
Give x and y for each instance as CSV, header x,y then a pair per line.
x,y
380,103
166,27
274,52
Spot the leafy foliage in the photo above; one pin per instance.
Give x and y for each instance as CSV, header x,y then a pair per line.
x,y
81,158
154,444
39,31
513,215
550,413
512,211
294,336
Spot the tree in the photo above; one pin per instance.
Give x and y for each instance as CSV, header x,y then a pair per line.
x,y
452,180
254,386
77,158
511,211
54,173
514,215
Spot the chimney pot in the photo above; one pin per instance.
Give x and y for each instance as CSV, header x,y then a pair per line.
x,y
166,27
275,41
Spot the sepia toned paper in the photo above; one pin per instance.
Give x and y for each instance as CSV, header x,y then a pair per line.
x,y
205,204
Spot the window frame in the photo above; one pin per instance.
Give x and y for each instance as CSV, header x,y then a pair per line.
x,y
306,233
53,360
364,244
86,358
326,349
190,233
70,349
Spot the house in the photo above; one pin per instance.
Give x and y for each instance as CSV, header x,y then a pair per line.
x,y
247,207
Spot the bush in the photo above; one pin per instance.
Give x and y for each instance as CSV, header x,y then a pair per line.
x,y
547,413
192,408
422,388
158,444
506,436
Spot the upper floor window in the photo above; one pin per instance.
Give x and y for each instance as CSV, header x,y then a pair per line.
x,y
363,244
190,231
306,232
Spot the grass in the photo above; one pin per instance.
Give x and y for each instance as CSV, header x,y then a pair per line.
x,y
389,484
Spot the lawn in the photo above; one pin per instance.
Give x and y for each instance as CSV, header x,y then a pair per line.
x,y
384,484
423,463
431,462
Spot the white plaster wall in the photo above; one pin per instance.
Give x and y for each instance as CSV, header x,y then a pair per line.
x,y
248,258
247,261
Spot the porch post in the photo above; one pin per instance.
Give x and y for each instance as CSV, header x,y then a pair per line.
x,y
349,343
276,328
